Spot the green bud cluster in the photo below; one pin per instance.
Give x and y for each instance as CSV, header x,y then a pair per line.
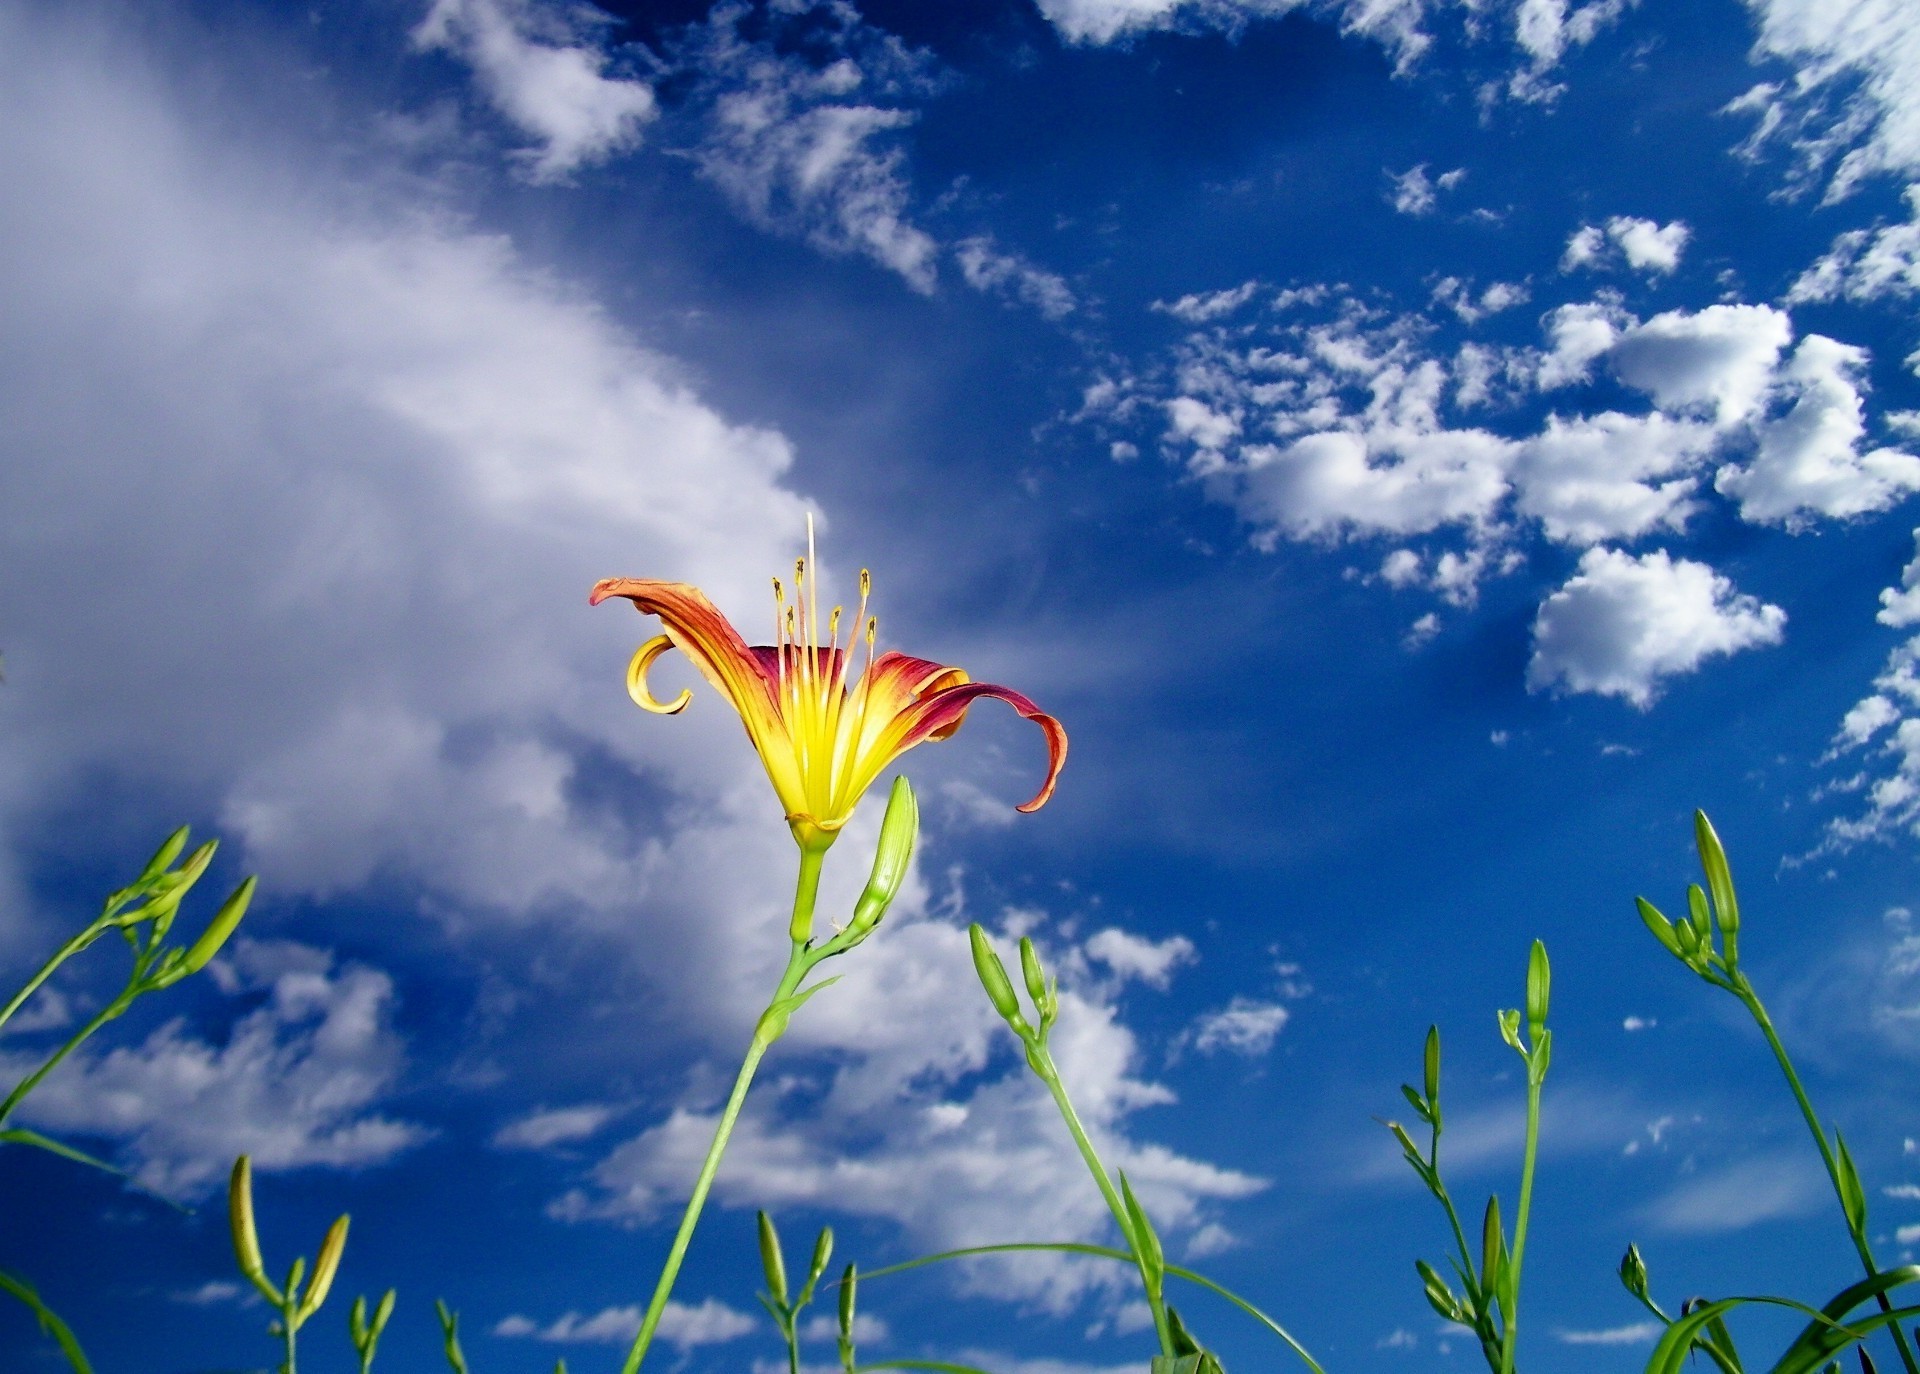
x,y
1707,939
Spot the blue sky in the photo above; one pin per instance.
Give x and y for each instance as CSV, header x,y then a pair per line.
x,y
1420,450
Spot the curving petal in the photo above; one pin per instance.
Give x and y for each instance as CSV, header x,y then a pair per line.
x,y
637,688
940,713
746,677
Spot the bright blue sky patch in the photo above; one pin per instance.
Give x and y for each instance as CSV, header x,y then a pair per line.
x,y
1420,450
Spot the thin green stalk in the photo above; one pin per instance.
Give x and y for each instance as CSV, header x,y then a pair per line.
x,y
289,1328
102,1017
60,956
798,963
1741,988
1043,1064
1512,1284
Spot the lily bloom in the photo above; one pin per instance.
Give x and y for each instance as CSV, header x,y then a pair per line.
x,y
822,740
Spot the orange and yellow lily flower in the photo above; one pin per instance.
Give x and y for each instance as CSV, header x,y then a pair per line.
x,y
823,742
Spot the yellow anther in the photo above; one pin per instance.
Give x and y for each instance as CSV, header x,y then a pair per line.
x,y
779,593
866,582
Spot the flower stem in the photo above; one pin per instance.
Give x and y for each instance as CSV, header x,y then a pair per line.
x,y
798,963
1042,1062
60,956
1741,988
1511,1325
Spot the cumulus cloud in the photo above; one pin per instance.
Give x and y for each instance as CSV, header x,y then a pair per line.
x,y
1412,192
293,1084
1643,244
803,145
958,1144
367,463
1621,624
711,1322
1245,1026
540,67
1809,460
1337,419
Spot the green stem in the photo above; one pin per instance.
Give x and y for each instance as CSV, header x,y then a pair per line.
x,y
798,963
288,1328
1741,988
60,956
1043,1064
107,1013
1511,1280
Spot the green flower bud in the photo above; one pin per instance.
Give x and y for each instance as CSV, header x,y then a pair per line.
x,y
891,858
1661,927
822,1252
1030,971
772,1261
1539,980
993,977
1633,1273
325,1265
219,929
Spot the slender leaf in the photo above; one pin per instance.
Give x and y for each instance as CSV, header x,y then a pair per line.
x,y
49,1322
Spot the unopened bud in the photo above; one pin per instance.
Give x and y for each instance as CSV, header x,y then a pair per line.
x,y
1539,979
1633,1273
219,929
891,858
325,1265
246,1240
772,1261
993,977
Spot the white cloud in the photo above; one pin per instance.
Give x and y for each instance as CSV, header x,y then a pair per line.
x,y
554,1126
1853,102
537,63
1809,460
1639,1023
1645,245
1133,956
1201,307
1721,359
1649,247
1867,264
800,147
292,1085
1622,624
1397,1339
1898,606
1353,423
712,1322
953,1155
1584,247
1393,23
1245,1026
294,407
1738,1195
1635,1333
986,267
1412,192
1598,477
